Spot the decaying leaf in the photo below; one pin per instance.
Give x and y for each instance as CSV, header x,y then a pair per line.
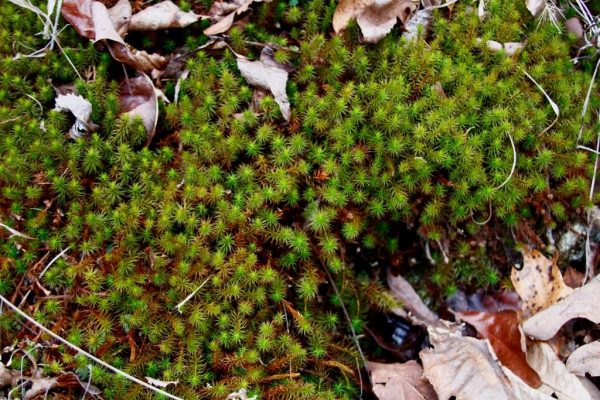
x,y
223,13
399,381
510,48
120,15
159,383
404,292
463,367
536,7
422,19
138,98
376,18
81,110
163,15
507,339
269,75
585,359
581,303
485,301
539,282
93,20
78,13
554,373
523,391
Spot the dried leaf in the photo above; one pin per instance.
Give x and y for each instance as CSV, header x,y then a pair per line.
x,y
223,14
582,303
482,301
376,18
463,367
93,20
138,98
554,373
573,278
163,15
586,359
269,75
510,48
120,15
539,282
422,18
575,27
399,381
507,339
80,108
523,391
404,292
78,13
159,383
536,7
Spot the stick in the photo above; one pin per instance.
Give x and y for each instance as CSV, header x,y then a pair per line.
x,y
85,353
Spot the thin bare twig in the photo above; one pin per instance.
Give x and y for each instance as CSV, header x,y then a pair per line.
x,y
85,353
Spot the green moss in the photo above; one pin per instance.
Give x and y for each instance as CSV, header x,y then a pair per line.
x,y
260,208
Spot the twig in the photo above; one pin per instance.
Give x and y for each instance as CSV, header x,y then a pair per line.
x,y
85,353
587,100
53,260
14,232
552,103
489,218
189,297
354,336
514,164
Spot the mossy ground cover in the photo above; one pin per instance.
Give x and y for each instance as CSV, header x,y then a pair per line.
x,y
269,215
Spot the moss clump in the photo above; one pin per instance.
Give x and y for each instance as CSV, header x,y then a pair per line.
x,y
264,212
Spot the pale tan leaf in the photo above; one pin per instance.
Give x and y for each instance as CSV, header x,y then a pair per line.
x,y
404,292
554,373
120,15
376,18
421,21
590,387
536,7
399,381
523,391
581,303
81,110
159,383
138,98
586,359
163,15
269,75
223,13
463,367
539,282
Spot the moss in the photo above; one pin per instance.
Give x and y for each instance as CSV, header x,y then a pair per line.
x,y
261,209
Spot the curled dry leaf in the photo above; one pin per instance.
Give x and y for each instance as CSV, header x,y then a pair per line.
x,y
399,381
463,367
138,98
422,18
163,15
223,13
536,7
269,75
523,391
581,303
404,292
507,339
485,301
510,48
539,282
159,383
585,360
81,110
93,20
376,18
120,15
554,373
